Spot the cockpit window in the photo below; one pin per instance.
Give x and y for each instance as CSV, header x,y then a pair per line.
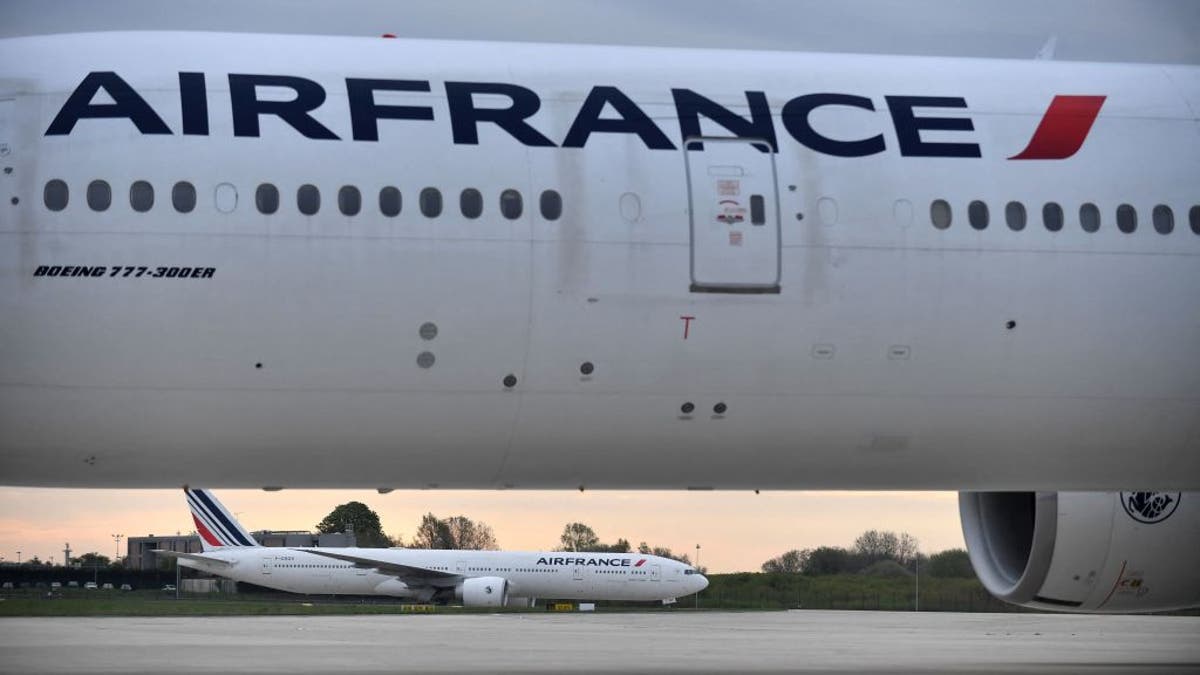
x,y
690,571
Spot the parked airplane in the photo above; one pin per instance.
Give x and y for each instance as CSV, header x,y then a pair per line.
x,y
548,266
474,578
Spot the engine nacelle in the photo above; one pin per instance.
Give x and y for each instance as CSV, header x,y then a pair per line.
x,y
482,592
1086,551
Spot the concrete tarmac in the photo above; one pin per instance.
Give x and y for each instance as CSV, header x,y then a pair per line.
x,y
684,642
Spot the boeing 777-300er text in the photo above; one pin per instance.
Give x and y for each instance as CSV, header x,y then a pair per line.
x,y
474,578
382,263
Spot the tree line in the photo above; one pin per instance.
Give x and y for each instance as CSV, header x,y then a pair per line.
x,y
462,533
455,532
874,553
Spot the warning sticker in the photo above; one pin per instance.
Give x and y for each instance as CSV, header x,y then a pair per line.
x,y
729,188
729,211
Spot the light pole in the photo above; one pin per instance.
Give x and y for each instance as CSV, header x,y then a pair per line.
x,y
917,581
697,569
117,538
18,557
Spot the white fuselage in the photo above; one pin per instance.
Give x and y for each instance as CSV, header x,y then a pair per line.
x,y
548,574
368,350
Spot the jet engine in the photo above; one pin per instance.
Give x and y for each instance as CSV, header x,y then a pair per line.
x,y
1101,552
482,592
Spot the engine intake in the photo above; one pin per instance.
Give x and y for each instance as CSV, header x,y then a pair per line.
x,y
1086,551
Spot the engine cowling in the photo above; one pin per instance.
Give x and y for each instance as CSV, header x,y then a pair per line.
x,y
483,592
1103,552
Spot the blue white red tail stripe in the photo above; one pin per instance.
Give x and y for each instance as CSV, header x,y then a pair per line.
x,y
206,516
218,512
213,523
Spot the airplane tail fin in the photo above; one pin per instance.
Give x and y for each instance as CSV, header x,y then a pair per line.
x,y
216,526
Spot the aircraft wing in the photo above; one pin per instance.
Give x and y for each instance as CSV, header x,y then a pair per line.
x,y
406,573
191,556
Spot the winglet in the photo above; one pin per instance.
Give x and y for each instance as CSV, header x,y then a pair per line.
x,y
216,527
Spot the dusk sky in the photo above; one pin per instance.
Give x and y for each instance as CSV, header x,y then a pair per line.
x,y
737,531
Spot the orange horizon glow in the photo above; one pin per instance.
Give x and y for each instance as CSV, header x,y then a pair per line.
x,y
736,531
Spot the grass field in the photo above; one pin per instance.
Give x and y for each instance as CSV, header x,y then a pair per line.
x,y
153,603
727,592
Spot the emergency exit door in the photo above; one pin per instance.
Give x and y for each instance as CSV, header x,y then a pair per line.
x,y
734,214
7,132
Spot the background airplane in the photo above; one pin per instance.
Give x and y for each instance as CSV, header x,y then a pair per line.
x,y
474,578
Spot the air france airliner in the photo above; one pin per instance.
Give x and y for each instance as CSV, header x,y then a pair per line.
x,y
389,264
472,578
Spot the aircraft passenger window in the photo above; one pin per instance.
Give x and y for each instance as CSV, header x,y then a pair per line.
x,y
431,202
1126,218
99,195
225,197
1052,216
511,204
1089,217
1164,219
266,198
56,194
471,203
551,205
977,214
939,213
183,197
389,202
308,199
1194,219
349,200
758,210
1014,215
141,196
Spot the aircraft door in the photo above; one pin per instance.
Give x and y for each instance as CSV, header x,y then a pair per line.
x,y
734,216
7,142
578,576
656,573
268,562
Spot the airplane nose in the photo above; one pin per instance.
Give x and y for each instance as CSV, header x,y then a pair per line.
x,y
702,581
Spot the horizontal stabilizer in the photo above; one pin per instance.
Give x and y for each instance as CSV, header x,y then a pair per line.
x,y
192,556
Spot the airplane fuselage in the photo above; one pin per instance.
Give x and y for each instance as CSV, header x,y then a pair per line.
x,y
406,264
545,575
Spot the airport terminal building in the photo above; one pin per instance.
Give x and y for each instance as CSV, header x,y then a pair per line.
x,y
141,554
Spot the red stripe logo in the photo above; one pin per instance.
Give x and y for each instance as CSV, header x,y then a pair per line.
x,y
1063,128
208,536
